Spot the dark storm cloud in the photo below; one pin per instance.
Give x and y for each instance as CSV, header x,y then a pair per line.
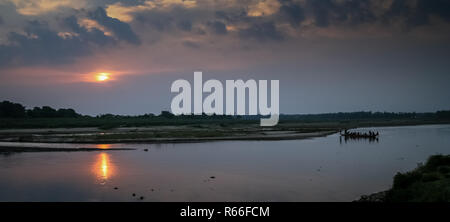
x,y
233,16
159,21
185,25
92,36
321,11
353,12
40,45
120,29
420,14
438,7
258,28
167,21
324,13
401,9
196,21
356,12
218,27
292,12
262,32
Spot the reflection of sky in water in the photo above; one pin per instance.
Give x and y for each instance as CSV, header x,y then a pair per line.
x,y
296,170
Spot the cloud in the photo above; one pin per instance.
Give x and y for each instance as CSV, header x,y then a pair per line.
x,y
83,27
124,12
292,12
252,16
120,29
218,27
418,14
93,35
262,32
40,45
263,8
233,16
356,12
170,20
185,25
160,21
38,7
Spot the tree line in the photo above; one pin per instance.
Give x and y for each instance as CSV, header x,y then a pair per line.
x,y
445,114
16,110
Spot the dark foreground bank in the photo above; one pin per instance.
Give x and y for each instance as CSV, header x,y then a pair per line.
x,y
427,183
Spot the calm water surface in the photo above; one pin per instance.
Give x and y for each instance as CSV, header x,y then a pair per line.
x,y
320,169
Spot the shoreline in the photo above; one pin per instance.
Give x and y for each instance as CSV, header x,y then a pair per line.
x,y
292,136
428,182
5,150
9,143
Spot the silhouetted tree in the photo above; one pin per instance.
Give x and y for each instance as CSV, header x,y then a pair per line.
x,y
67,113
14,110
106,116
445,114
166,114
49,112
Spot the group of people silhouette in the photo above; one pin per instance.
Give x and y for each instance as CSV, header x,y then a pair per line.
x,y
370,134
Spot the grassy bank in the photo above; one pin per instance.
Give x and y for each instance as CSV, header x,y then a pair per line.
x,y
115,122
47,125
427,183
155,129
109,123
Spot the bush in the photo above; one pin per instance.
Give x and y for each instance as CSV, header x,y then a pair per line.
x,y
403,180
427,183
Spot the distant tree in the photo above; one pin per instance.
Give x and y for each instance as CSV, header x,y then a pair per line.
x,y
445,114
148,115
36,112
108,116
166,114
14,110
48,112
67,113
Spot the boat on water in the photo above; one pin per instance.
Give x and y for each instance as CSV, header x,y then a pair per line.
x,y
357,135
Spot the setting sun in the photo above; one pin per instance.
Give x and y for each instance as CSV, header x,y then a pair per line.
x,y
101,77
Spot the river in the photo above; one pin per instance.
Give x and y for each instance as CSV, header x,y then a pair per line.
x,y
317,169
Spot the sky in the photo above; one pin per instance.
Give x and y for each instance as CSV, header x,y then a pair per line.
x,y
329,55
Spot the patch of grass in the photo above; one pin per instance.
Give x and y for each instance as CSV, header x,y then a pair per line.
x,y
203,122
110,123
159,134
107,126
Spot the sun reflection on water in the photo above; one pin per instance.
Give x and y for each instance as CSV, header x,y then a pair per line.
x,y
103,146
103,168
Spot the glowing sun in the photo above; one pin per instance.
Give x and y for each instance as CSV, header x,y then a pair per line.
x,y
102,77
